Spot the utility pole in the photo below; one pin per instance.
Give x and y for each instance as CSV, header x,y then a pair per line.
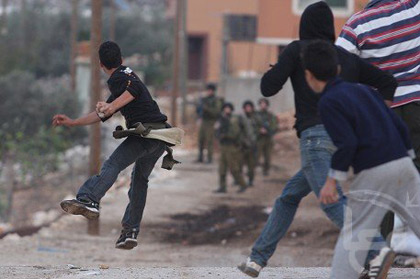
x,y
224,65
183,48
175,74
4,30
95,86
73,42
24,28
112,21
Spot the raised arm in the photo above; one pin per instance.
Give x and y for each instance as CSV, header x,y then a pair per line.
x,y
64,120
273,80
108,109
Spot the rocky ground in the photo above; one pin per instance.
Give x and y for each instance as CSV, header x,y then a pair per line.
x,y
185,225
178,272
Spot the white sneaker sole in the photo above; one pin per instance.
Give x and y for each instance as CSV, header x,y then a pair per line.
x,y
75,208
248,271
128,244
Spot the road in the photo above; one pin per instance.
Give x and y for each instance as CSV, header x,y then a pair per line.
x,y
22,272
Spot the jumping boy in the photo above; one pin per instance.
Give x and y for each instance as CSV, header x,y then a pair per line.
x,y
131,97
374,141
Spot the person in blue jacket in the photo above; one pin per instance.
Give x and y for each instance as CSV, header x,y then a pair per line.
x,y
374,141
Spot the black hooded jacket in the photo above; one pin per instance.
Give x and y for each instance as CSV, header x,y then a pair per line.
x,y
317,22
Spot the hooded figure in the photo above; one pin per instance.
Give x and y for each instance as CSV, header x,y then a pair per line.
x,y
317,23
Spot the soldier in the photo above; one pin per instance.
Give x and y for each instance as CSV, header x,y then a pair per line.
x,y
265,137
209,111
251,124
229,134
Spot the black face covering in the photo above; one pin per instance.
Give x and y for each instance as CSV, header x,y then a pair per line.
x,y
317,22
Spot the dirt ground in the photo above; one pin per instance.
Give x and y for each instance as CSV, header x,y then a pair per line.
x,y
185,224
37,272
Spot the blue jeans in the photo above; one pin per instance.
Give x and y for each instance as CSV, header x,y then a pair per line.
x,y
316,149
144,153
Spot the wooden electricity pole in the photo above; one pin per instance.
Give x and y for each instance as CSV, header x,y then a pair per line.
x,y
175,74
95,86
73,42
4,4
183,45
179,76
224,66
112,21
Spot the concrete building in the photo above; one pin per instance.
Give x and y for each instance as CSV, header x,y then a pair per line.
x,y
278,20
205,33
277,24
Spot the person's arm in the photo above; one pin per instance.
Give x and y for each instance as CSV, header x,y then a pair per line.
x,y
384,82
348,39
339,128
64,120
273,124
108,109
273,80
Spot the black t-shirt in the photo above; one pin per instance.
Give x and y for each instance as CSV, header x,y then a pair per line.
x,y
143,108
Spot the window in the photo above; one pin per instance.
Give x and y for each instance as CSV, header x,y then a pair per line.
x,y
196,57
339,7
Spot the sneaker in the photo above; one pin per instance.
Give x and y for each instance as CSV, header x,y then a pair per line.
x,y
381,264
81,206
250,268
128,239
364,274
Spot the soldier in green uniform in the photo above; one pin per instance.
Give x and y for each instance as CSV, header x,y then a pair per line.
x,y
209,111
265,137
229,133
251,124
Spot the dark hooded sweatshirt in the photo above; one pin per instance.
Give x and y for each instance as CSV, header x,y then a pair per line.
x,y
317,22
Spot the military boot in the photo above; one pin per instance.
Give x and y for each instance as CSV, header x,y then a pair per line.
x,y
222,183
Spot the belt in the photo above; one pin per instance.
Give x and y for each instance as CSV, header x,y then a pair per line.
x,y
144,129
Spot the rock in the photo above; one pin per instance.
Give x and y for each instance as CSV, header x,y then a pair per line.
x,y
44,217
104,266
12,237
